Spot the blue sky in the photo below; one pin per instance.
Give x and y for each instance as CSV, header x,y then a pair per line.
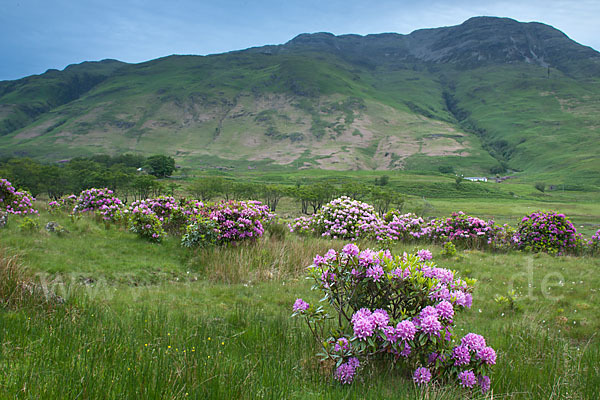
x,y
36,35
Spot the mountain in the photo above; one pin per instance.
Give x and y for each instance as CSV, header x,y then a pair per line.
x,y
487,96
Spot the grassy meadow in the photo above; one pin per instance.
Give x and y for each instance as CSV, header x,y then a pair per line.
x,y
156,321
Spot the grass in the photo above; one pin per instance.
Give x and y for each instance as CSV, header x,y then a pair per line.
x,y
141,320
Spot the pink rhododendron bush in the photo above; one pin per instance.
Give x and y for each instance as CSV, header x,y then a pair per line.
x,y
239,220
548,232
405,227
594,243
15,201
469,231
343,218
174,215
101,201
200,224
397,310
64,204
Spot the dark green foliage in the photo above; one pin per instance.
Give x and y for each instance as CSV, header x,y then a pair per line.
x,y
446,169
160,166
204,232
541,186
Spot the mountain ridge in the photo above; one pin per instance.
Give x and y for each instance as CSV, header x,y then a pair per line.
x,y
486,95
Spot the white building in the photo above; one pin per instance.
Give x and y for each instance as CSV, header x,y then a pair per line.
x,y
476,178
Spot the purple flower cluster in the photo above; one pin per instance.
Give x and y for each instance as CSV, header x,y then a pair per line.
x,y
300,305
345,372
341,345
101,201
547,232
405,226
15,201
302,225
467,379
144,222
239,220
422,376
594,243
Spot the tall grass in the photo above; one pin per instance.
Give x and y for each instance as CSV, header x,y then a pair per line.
x,y
18,287
262,260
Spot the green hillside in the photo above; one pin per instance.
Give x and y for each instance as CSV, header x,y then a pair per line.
x,y
489,96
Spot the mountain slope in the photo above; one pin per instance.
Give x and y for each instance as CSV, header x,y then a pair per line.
x,y
489,94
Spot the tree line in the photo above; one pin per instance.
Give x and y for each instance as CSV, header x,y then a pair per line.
x,y
131,175
311,197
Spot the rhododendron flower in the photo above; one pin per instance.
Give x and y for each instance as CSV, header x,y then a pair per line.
x,y
431,325
405,330
424,255
461,355
350,249
487,355
341,344
473,341
484,382
380,318
428,312
467,379
376,273
300,305
422,376
345,372
445,310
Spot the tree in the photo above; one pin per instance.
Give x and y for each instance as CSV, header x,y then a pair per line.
x,y
356,191
206,188
272,194
458,180
145,186
384,180
160,165
541,186
382,199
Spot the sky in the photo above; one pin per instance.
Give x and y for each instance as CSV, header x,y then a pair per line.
x,y
37,35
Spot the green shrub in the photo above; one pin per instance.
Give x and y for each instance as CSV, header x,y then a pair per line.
x,y
202,233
